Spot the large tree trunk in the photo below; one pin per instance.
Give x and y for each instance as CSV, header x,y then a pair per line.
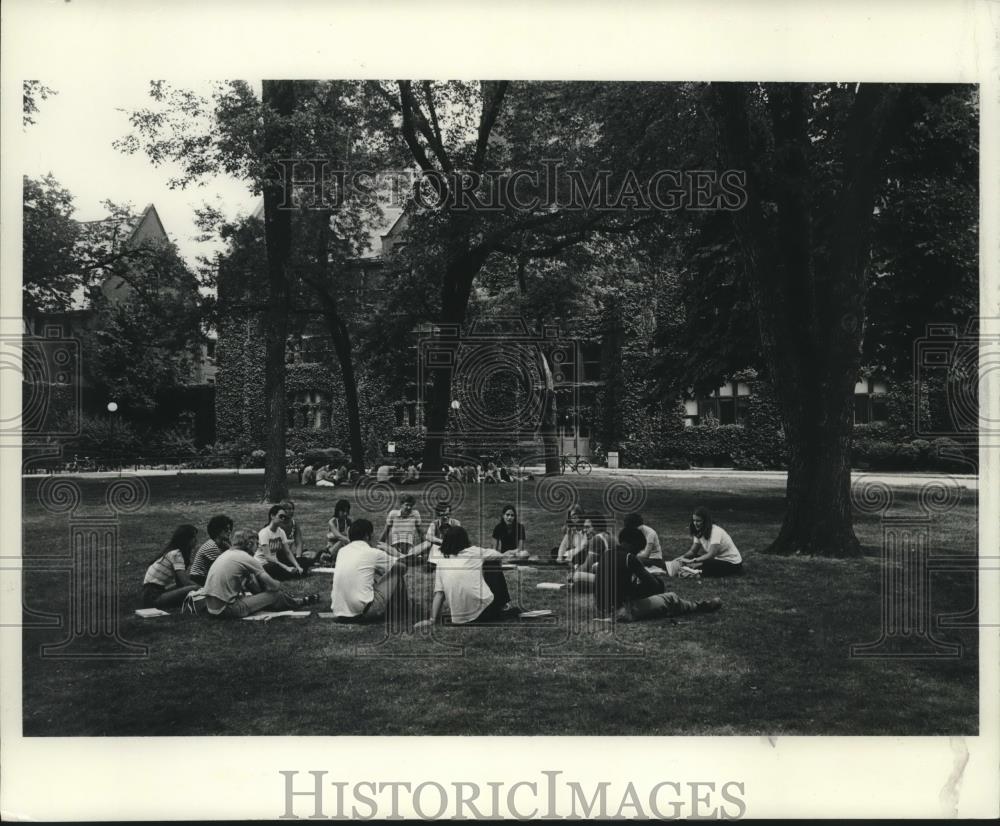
x,y
280,96
455,289
341,337
811,312
549,429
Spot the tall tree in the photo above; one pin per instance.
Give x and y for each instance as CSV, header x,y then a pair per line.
x,y
805,246
475,137
278,97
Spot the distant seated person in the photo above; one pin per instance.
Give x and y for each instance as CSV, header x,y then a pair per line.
x,y
403,527
219,529
308,475
167,583
326,477
651,554
509,535
336,535
237,571
587,560
491,476
370,584
573,538
438,529
341,476
383,473
470,581
275,548
411,475
626,589
712,550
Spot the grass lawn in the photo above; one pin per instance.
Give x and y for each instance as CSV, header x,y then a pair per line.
x,y
775,660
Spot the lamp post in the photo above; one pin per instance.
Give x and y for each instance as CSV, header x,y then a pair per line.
x,y
455,405
112,409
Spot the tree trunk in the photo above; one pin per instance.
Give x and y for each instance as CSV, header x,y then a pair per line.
x,y
455,289
342,346
341,341
549,429
280,96
811,312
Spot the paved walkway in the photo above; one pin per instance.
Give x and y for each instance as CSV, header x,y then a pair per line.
x,y
906,480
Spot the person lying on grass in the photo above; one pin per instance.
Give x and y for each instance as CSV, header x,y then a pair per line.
x,y
625,588
587,560
509,534
237,571
712,550
651,554
220,527
369,584
336,535
274,547
471,581
167,582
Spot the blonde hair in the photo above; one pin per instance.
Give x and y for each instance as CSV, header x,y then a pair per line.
x,y
243,540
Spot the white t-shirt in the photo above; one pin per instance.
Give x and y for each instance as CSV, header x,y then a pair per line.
x,y
357,566
383,473
652,542
404,529
460,577
270,544
729,553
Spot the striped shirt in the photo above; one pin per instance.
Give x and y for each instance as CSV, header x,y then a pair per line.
x,y
203,559
162,572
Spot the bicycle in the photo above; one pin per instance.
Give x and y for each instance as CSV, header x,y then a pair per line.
x,y
576,463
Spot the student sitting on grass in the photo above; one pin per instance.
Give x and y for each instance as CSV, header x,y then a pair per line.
x,y
586,561
436,531
219,529
624,587
712,550
237,571
369,584
336,536
471,581
167,583
573,538
509,534
275,549
402,526
651,555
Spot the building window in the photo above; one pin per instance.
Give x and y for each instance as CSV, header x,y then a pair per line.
x,y
590,361
313,407
727,405
869,401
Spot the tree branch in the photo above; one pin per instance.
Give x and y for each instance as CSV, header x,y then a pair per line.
x,y
491,110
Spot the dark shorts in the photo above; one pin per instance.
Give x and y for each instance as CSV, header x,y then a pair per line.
x,y
150,594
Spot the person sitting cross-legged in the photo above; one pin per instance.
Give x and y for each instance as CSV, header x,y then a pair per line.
x,y
167,583
219,529
369,584
586,561
651,555
625,587
336,536
237,571
275,548
402,526
712,550
471,581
